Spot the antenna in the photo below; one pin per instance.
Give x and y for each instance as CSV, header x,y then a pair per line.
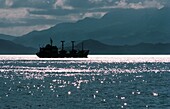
x,y
72,45
51,41
62,44
82,46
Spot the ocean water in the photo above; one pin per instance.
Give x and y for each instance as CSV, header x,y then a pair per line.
x,y
97,82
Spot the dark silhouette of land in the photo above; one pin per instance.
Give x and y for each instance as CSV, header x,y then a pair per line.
x,y
95,47
7,37
119,27
122,31
9,47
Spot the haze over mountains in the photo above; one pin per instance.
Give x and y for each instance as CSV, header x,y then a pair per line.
x,y
120,27
9,47
7,37
97,47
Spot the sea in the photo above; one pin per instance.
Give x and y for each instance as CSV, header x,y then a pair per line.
x,y
96,82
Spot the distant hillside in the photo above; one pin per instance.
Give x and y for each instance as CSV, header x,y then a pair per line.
x,y
97,47
8,47
7,37
119,27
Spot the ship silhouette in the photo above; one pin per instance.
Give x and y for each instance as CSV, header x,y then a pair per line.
x,y
52,51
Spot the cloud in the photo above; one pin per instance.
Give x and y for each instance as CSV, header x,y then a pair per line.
x,y
139,5
95,1
153,4
8,3
94,14
13,17
13,13
32,14
101,1
62,4
20,30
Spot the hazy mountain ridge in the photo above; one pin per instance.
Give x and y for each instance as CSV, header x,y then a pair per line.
x,y
7,37
135,31
97,47
119,27
9,47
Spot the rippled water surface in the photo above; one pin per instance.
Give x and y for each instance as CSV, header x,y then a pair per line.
x,y
97,82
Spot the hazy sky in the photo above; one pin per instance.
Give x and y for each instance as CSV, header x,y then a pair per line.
x,y
18,17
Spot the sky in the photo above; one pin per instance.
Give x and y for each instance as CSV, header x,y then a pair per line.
x,y
19,17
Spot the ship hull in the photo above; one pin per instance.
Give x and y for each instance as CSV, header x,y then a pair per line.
x,y
83,54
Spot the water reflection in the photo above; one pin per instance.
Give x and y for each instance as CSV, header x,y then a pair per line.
x,y
88,83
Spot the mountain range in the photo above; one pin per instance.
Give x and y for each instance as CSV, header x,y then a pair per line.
x,y
7,37
9,47
119,27
122,31
95,47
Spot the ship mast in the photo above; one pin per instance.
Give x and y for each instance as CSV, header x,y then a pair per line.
x,y
82,46
51,41
72,45
62,44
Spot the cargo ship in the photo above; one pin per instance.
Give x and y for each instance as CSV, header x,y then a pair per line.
x,y
52,51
